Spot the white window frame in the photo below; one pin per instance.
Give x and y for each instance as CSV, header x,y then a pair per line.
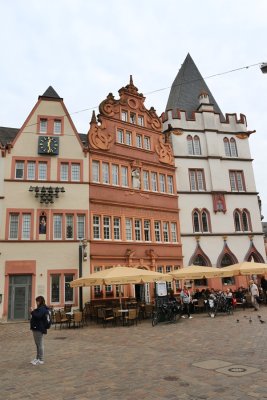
x,y
42,171
154,181
105,173
174,232
57,126
43,125
115,175
124,176
147,143
146,180
157,230
57,223
95,171
106,228
124,116
69,221
138,230
162,183
165,228
117,228
96,227
120,136
129,229
64,172
31,170
26,226
71,277
147,230
80,226
170,184
128,138
139,141
20,166
13,226
75,172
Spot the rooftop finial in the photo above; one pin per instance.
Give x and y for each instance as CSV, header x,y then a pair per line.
x,y
131,80
93,119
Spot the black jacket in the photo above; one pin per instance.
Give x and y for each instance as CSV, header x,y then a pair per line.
x,y
38,319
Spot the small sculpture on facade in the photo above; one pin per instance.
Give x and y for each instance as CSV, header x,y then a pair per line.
x,y
136,179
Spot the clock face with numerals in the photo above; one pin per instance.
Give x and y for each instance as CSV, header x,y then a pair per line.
x,y
48,145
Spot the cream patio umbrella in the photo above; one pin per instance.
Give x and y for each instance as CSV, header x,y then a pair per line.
x,y
196,272
244,268
121,275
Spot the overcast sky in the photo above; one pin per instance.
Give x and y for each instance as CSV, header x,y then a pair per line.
x,y
86,49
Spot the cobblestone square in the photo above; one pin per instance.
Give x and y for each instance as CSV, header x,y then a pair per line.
x,y
140,362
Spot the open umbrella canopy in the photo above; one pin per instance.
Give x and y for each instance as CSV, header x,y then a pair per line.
x,y
244,268
121,276
196,272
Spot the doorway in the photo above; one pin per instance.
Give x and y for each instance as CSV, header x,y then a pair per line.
x,y
142,293
19,297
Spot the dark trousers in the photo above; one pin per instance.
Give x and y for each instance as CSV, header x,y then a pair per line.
x,y
186,309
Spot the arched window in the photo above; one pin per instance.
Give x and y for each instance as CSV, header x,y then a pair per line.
x,y
190,147
196,221
226,147
237,221
205,221
199,260
226,261
245,221
197,148
233,149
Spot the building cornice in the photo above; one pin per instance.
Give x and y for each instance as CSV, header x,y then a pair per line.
x,y
215,158
131,205
222,234
220,191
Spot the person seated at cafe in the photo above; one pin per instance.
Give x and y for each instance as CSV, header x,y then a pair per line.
x,y
172,298
197,295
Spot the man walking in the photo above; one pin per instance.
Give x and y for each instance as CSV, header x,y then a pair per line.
x,y
185,297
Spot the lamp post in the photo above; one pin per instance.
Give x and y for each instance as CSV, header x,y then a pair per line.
x,y
82,257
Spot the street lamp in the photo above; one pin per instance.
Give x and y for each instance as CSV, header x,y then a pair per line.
x,y
82,257
263,68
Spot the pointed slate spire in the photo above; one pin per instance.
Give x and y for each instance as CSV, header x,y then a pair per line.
x,y
51,94
187,87
93,119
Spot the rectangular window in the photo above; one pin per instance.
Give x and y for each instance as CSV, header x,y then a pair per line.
x,y
55,288
132,118
137,229
57,126
42,171
165,231
237,181
19,170
124,116
106,223
26,226
120,138
115,174
69,226
154,182
162,183
105,173
43,125
160,269
157,231
145,180
147,143
117,228
68,289
13,226
147,230
170,184
124,176
139,143
31,170
197,181
129,230
64,171
128,138
174,231
96,227
57,226
75,172
95,172
168,269
140,120
80,226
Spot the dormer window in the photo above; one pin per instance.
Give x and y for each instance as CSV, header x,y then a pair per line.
x,y
43,125
124,116
140,120
147,143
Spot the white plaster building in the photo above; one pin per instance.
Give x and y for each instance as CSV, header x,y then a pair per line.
x,y
219,212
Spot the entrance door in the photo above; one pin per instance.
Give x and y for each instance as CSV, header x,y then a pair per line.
x,y
142,293
19,299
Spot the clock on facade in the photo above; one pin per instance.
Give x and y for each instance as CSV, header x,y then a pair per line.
x,y
48,145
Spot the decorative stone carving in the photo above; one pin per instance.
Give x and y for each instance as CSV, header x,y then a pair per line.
x,y
109,107
99,137
136,179
164,151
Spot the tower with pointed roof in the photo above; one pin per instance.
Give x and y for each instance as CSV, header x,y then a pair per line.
x,y
219,212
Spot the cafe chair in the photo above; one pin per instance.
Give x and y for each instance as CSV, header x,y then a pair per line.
x,y
77,319
108,316
132,317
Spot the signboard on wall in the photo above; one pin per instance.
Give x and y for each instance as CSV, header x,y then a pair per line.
x,y
161,289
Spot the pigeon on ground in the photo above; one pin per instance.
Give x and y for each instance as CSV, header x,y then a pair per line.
x,y
259,316
250,320
245,316
237,320
261,321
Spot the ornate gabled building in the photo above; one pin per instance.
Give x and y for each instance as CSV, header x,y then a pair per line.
x,y
44,198
219,212
133,200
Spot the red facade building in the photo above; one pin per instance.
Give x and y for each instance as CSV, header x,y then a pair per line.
x,y
133,198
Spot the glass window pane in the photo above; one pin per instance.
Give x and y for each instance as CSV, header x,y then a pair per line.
x,y
226,147
200,180
154,182
196,222
145,180
139,141
43,126
117,228
233,147
57,226
232,181
157,231
75,172
124,116
69,227
237,221
124,176
129,232
174,232
42,171
162,184
95,172
170,184
115,174
120,138
205,225
26,226
96,227
147,230
19,170
190,148
80,226
57,126
64,171
105,173
147,143
197,149
128,139
13,226
132,118
31,170
140,120
68,289
193,184
106,222
239,179
137,228
55,288
165,231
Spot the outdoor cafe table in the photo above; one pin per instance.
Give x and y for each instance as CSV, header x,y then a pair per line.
x,y
123,315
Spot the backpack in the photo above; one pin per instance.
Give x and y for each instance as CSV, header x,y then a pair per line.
x,y
48,320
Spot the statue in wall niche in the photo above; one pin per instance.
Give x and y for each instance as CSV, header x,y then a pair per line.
x,y
42,224
136,179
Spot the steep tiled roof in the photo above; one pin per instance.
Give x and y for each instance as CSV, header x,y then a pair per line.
x,y
51,94
7,135
186,88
